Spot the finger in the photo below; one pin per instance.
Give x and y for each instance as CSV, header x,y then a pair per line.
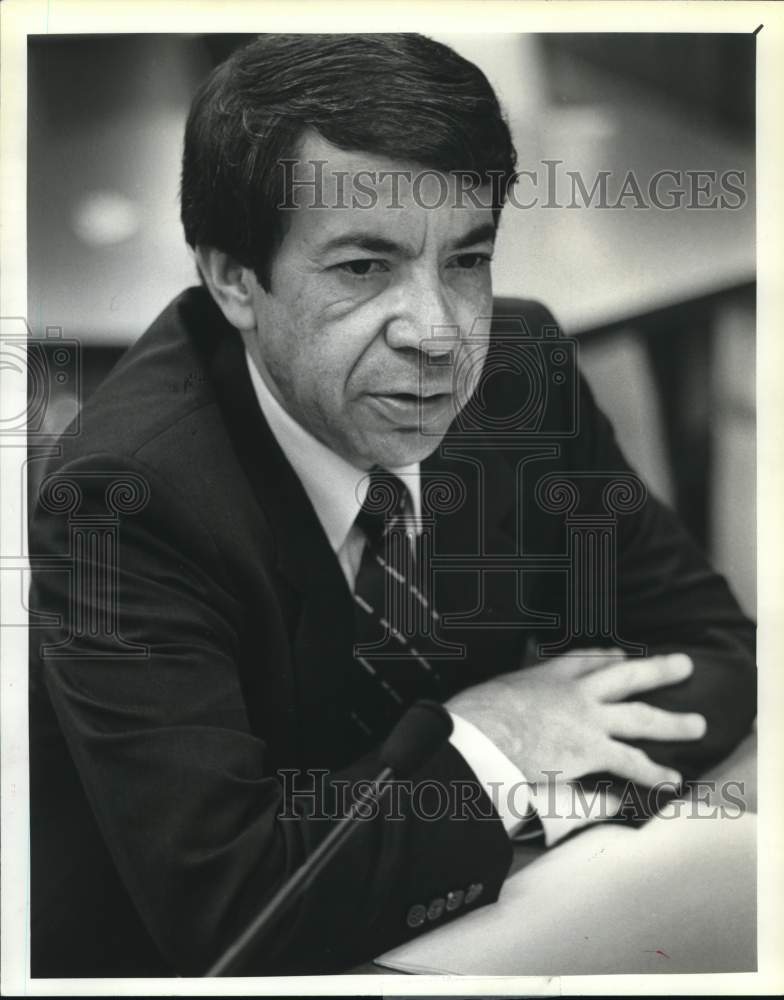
x,y
612,683
585,661
636,720
635,765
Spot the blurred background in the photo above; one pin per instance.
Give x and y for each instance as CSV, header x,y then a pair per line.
x,y
662,300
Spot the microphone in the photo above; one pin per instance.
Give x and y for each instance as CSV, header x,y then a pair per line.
x,y
423,730
416,737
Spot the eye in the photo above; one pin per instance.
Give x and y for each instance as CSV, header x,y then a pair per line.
x,y
363,266
470,261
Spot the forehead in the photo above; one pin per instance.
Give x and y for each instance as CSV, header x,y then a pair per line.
x,y
335,192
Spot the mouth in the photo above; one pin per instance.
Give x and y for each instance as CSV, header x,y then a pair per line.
x,y
415,397
410,409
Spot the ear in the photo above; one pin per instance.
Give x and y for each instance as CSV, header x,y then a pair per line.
x,y
230,284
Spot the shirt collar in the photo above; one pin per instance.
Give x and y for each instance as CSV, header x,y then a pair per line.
x,y
335,488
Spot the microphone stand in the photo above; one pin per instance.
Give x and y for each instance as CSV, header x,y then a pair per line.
x,y
299,881
421,731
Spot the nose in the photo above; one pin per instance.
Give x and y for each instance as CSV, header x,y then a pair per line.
x,y
425,321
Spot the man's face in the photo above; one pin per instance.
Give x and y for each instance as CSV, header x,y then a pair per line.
x,y
363,334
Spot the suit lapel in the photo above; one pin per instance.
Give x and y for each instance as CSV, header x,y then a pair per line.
x,y
312,584
475,596
469,492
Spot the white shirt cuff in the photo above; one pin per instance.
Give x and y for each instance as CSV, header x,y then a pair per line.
x,y
501,779
560,808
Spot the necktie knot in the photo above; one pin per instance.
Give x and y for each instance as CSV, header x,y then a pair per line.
x,y
385,505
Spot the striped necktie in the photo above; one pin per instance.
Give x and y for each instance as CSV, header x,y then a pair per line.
x,y
393,615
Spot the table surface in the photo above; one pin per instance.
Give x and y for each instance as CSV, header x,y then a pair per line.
x,y
597,266
740,766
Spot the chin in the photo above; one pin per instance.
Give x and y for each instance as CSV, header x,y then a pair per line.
x,y
401,448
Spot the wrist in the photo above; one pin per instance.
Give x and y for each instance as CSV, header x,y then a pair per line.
x,y
489,711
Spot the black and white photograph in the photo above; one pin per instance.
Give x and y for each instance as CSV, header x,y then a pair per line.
x,y
387,583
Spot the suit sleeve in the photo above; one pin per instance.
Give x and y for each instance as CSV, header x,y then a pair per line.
x,y
199,828
669,599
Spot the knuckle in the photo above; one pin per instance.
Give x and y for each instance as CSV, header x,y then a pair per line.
x,y
566,665
637,756
647,715
645,770
620,678
626,758
632,672
649,672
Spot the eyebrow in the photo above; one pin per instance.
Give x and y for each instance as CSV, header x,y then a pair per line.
x,y
484,232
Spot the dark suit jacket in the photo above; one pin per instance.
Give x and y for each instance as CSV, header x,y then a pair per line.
x,y
215,650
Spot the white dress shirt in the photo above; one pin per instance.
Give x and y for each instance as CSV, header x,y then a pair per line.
x,y
337,490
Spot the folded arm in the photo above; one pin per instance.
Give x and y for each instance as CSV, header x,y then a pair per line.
x,y
662,717
200,828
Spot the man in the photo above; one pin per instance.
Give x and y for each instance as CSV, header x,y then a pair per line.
x,y
300,503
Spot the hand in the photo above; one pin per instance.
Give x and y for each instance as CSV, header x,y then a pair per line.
x,y
565,715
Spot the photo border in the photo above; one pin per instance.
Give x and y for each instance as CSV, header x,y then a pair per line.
x,y
18,18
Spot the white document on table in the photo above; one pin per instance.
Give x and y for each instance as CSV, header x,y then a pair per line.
x,y
677,895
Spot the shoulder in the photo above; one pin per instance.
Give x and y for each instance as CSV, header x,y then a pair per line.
x,y
160,405
157,421
529,314
530,385
160,385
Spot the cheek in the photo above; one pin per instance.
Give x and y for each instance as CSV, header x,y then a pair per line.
x,y
476,308
348,346
292,333
320,360
284,344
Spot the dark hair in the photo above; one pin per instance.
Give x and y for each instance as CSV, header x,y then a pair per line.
x,y
398,95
